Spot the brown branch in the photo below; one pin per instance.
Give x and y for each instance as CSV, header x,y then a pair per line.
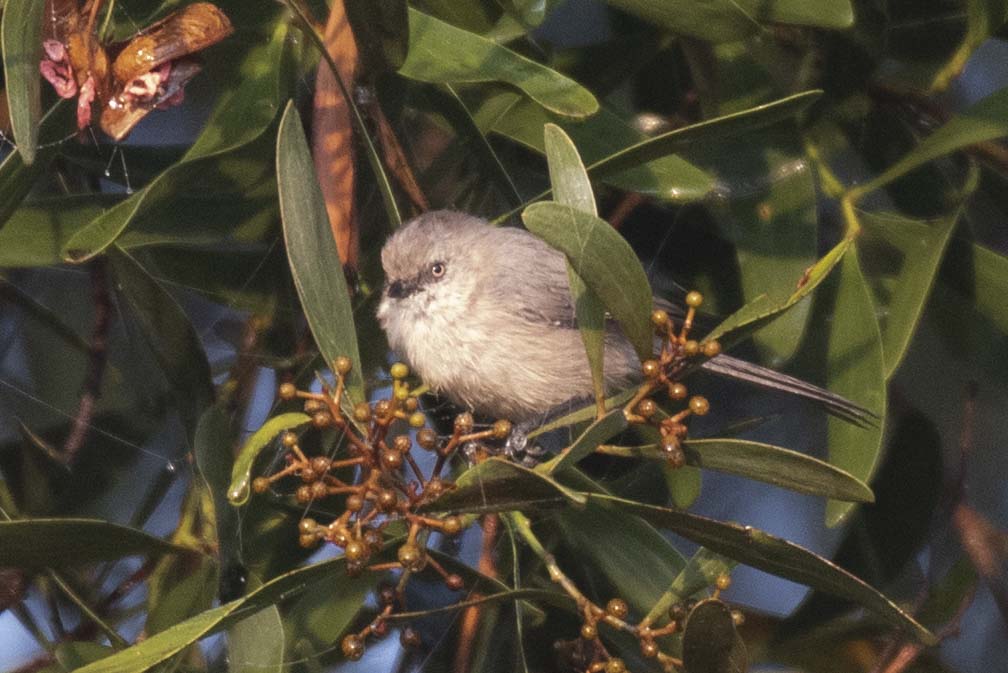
x,y
470,619
97,357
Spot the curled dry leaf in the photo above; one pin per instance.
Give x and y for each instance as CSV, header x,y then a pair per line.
x,y
149,71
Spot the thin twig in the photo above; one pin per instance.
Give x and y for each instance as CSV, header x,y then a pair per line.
x,y
97,357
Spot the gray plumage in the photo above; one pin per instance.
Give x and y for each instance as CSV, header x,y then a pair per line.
x,y
484,315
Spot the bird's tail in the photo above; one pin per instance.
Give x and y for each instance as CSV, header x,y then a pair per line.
x,y
728,366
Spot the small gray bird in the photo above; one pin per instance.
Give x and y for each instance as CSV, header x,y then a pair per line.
x,y
484,315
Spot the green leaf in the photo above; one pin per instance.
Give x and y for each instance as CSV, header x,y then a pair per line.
x,y
601,430
771,554
855,370
498,485
241,472
314,261
983,19
439,52
36,232
603,134
604,260
757,313
702,571
584,414
982,121
572,187
256,643
922,246
162,646
169,334
381,31
631,544
762,462
17,177
242,115
719,128
21,40
710,641
58,543
729,20
684,484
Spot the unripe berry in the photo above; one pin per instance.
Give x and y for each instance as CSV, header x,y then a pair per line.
x,y
355,502
691,348
399,370
303,495
321,419
362,412
355,551
391,459
589,631
615,666
427,439
411,557
651,369
659,318
501,429
287,391
677,391
451,525
313,406
320,465
647,408
464,423
319,490
307,526
288,439
260,484
694,299
711,348
353,647
343,365
699,405
402,443
617,607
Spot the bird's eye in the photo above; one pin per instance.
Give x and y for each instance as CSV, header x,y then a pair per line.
x,y
437,269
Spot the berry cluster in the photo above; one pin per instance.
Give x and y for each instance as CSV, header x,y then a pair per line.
x,y
388,486
678,353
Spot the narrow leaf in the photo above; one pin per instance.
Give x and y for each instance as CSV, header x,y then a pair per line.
x,y
763,462
169,334
439,52
26,543
771,554
855,370
499,485
604,260
572,187
922,246
21,40
601,430
241,472
314,262
761,310
982,121
256,643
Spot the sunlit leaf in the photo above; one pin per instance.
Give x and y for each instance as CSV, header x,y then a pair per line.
x,y
498,485
771,554
702,571
604,260
314,261
21,40
241,472
743,322
728,20
855,369
162,646
922,246
27,543
763,462
572,187
440,52
982,121
665,176
604,428
256,643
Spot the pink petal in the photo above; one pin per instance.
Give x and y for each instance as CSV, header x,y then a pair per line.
x,y
55,50
58,75
87,96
